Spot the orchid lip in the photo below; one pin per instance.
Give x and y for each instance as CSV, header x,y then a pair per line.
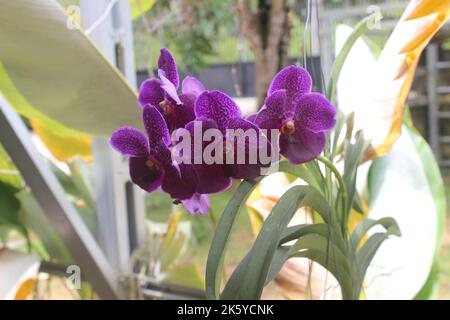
x,y
288,127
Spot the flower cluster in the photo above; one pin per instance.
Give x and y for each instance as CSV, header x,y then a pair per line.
x,y
300,117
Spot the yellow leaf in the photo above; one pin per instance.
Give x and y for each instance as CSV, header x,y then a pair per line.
x,y
64,147
60,72
139,7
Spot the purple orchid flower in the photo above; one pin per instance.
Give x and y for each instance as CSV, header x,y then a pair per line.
x,y
215,110
176,109
150,161
302,116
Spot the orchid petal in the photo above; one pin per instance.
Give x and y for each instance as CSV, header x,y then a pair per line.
x,y
295,80
168,87
167,63
198,204
315,113
302,146
217,106
146,177
150,92
156,126
192,85
130,142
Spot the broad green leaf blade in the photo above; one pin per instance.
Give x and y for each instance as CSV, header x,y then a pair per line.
x,y
407,186
60,71
216,255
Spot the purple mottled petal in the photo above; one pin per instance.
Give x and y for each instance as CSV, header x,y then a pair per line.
x,y
271,116
146,177
251,117
167,63
168,87
156,126
174,185
295,80
302,146
151,92
315,113
217,106
247,143
192,85
130,142
212,178
198,204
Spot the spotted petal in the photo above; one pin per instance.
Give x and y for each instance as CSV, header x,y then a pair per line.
x,y
167,63
302,146
295,80
150,92
156,126
130,142
247,141
168,87
315,113
272,114
198,204
147,177
217,106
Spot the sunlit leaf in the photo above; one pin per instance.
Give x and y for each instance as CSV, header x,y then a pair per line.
x,y
140,7
63,76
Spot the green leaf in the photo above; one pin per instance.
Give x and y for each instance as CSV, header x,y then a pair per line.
x,y
216,255
359,30
35,219
9,207
319,249
309,172
368,251
353,155
140,7
10,175
57,76
363,227
250,278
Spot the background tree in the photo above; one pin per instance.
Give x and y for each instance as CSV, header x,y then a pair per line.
x,y
266,26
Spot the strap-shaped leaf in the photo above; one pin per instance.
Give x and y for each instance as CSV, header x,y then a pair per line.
x,y
309,172
363,227
216,256
249,278
322,229
353,155
368,251
325,253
